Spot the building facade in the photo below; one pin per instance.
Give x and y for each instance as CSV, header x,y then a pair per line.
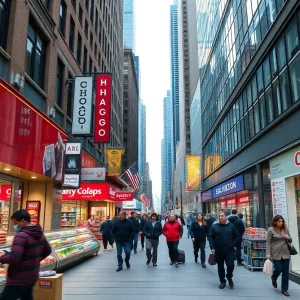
x,y
131,111
142,143
128,31
250,92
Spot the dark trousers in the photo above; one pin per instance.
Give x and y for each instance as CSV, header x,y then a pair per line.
x,y
135,241
239,251
282,266
200,245
15,292
173,250
152,244
228,259
127,246
107,238
188,231
143,240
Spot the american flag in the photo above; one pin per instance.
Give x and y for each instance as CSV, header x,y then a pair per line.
x,y
133,175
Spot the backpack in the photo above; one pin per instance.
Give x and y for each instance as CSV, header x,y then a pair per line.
x,y
181,256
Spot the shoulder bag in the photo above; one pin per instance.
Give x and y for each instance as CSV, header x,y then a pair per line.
x,y
290,246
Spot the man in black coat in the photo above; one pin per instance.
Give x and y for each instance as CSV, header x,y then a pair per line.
x,y
106,231
123,232
137,228
223,238
143,222
240,227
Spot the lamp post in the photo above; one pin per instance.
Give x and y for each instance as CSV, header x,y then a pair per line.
x,y
181,212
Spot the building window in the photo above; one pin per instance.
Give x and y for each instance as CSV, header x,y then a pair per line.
x,y
85,67
4,21
74,3
70,98
91,40
86,29
72,34
79,47
292,39
87,5
59,82
80,14
96,21
91,66
62,17
35,56
46,2
92,11
295,77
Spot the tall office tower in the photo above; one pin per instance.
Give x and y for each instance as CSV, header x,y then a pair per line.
x,y
128,24
131,108
250,96
167,151
138,71
174,73
142,143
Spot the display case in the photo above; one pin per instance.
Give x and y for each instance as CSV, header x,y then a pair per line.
x,y
254,253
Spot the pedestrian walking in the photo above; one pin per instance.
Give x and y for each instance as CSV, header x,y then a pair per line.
x,y
210,221
190,221
90,222
199,233
106,231
152,231
123,232
28,249
173,231
241,216
143,223
136,223
239,225
223,238
277,249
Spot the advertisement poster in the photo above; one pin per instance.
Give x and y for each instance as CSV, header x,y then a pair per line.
x,y
33,208
193,172
56,207
114,161
279,198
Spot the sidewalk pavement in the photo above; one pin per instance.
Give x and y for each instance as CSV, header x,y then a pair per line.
x,y
97,279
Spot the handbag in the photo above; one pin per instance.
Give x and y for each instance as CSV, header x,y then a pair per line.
x,y
291,248
212,260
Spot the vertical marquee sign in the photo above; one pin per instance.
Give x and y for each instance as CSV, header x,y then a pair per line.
x,y
82,108
73,165
103,108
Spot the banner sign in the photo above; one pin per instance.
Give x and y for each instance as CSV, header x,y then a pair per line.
x,y
233,185
73,165
124,196
192,172
206,196
82,108
114,161
93,174
33,208
103,108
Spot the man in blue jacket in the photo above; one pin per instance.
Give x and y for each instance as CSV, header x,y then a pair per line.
x,y
223,238
152,231
106,231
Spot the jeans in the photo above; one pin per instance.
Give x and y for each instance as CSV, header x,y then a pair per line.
x,y
189,231
200,245
149,245
135,241
173,251
15,292
143,240
127,249
282,266
107,238
239,251
228,258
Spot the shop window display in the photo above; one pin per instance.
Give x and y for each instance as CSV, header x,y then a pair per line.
x,y
73,214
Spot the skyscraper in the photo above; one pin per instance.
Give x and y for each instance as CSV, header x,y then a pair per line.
x,y
128,25
174,73
142,143
138,71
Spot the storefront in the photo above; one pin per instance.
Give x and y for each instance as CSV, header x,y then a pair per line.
x,y
285,187
130,206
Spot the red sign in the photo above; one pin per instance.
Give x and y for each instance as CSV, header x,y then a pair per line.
x,y
124,196
87,161
103,108
297,158
33,207
45,284
242,198
89,191
6,192
28,138
231,202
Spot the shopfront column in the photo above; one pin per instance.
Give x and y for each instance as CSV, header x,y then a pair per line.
x,y
261,204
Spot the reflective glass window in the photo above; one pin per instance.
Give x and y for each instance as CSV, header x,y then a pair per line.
x,y
271,11
263,113
256,117
285,90
251,123
249,95
267,72
292,39
263,19
295,77
247,134
260,81
276,98
269,106
273,62
281,55
254,88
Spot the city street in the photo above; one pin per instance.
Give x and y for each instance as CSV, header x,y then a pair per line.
x,y
97,279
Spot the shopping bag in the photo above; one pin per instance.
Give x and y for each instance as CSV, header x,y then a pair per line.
x,y
212,259
268,267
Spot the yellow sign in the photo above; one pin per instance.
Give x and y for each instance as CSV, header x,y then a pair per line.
x,y
114,161
193,173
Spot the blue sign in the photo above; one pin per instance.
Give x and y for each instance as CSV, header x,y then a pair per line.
x,y
206,196
233,185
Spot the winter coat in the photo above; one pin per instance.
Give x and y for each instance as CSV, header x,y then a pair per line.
x,y
238,223
152,232
106,227
223,237
136,224
29,248
190,220
172,231
123,231
199,233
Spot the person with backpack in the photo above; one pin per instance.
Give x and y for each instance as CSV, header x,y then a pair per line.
x,y
173,231
239,225
152,231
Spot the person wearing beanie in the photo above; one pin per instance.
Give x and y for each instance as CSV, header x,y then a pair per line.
x,y
152,232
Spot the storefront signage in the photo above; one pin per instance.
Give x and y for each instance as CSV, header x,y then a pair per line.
x,y
114,161
45,284
87,161
134,205
103,108
93,174
33,208
192,173
279,200
233,185
72,165
6,192
82,107
124,196
206,196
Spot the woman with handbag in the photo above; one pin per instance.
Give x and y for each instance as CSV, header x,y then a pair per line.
x,y
278,239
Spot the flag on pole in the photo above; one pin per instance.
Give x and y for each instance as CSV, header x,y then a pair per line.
x,y
133,175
